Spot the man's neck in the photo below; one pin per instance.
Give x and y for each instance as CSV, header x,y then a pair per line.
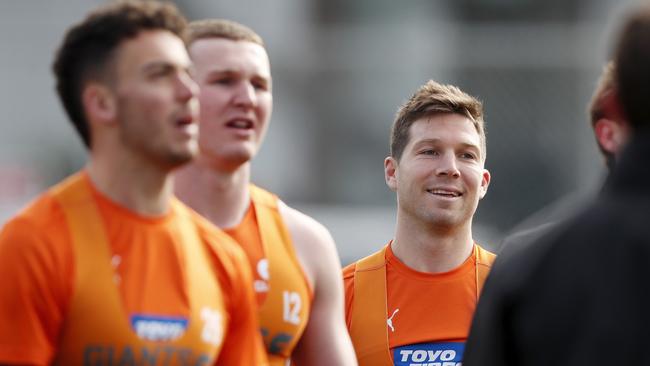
x,y
139,186
221,197
429,249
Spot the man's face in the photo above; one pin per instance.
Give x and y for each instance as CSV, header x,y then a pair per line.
x,y
439,178
235,95
157,108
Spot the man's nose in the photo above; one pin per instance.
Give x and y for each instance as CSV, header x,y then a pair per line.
x,y
448,166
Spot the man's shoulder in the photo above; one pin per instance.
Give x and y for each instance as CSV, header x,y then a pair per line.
x,y
306,231
348,272
263,197
607,221
222,245
371,262
41,215
527,236
538,249
297,222
485,253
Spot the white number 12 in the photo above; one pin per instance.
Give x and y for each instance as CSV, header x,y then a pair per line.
x,y
292,305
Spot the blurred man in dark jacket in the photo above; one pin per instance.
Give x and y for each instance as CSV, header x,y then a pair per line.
x,y
578,295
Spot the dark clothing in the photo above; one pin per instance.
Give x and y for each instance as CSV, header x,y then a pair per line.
x,y
580,294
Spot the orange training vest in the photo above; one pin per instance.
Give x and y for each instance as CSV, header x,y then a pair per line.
x,y
369,313
96,329
285,311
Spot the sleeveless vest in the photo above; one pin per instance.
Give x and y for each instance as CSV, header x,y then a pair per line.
x,y
285,311
96,329
369,314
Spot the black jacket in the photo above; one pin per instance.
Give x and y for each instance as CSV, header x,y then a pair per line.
x,y
580,294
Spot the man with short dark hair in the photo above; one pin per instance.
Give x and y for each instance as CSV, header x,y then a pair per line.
x,y
107,267
412,301
578,295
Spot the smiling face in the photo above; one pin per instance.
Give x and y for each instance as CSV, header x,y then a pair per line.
x,y
439,177
155,98
235,95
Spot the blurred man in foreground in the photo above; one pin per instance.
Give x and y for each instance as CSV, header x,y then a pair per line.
x,y
107,267
578,295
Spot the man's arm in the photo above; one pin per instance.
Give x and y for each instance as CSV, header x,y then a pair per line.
x,y
326,340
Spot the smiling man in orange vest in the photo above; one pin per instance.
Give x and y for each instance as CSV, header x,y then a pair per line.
x,y
412,302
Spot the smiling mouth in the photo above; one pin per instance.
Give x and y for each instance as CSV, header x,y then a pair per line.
x,y
444,193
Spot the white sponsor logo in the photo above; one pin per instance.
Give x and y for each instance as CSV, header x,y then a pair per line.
x,y
158,330
260,286
212,332
389,321
429,357
262,271
115,262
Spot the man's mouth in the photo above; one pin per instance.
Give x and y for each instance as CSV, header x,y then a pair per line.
x,y
184,120
240,123
444,192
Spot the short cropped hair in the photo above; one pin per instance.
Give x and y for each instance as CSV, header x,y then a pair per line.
x,y
222,28
88,48
633,73
430,99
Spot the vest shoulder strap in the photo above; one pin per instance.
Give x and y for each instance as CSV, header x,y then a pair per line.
x,y
261,196
368,327
484,260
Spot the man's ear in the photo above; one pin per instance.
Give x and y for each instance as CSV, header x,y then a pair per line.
x,y
390,172
485,183
99,103
611,135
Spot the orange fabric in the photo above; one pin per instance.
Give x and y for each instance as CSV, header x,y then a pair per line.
x,y
247,232
369,324
155,276
284,294
432,307
96,291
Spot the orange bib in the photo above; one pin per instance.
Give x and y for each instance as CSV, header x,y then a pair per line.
x,y
284,294
97,329
369,318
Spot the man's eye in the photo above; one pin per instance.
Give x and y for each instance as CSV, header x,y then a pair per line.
x,y
223,81
158,74
260,86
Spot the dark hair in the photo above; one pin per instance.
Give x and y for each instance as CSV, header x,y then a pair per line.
x,y
88,47
632,71
433,98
